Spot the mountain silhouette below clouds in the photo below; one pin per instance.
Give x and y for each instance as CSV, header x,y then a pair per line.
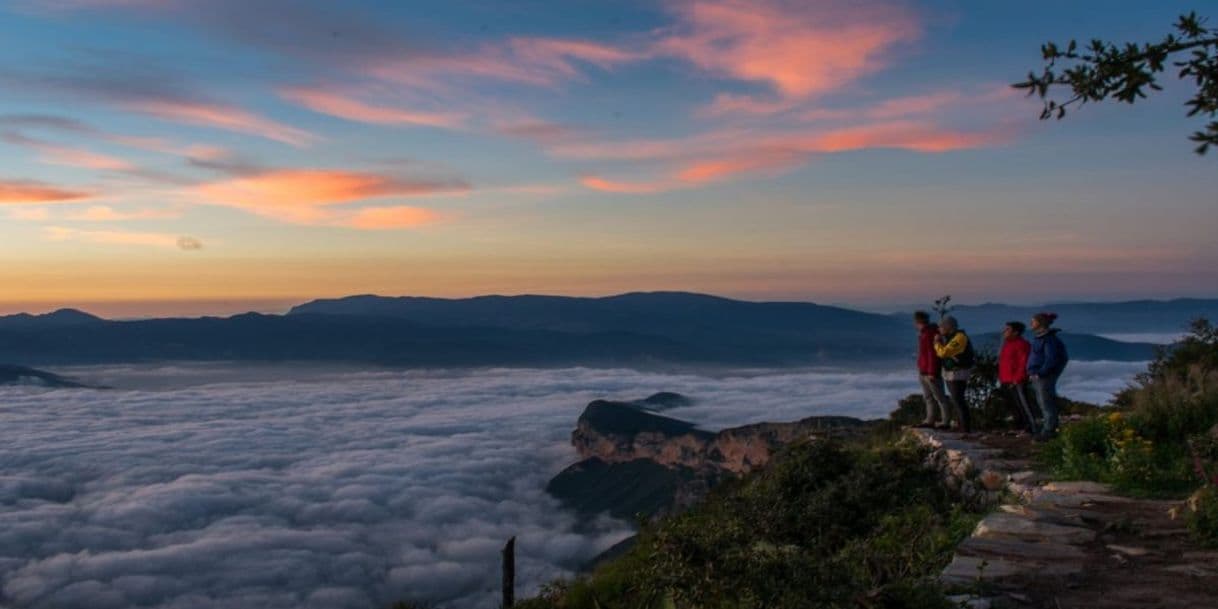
x,y
637,329
21,375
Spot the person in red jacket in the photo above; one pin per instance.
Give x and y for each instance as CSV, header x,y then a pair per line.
x,y
930,373
1013,372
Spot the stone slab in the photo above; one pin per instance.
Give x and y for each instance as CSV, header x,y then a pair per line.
x,y
1079,486
1040,552
1003,524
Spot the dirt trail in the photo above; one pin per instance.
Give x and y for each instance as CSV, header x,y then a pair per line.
x,y
1071,545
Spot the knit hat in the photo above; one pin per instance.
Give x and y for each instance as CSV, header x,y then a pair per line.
x,y
1044,318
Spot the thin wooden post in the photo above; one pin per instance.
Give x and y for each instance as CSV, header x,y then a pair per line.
x,y
509,574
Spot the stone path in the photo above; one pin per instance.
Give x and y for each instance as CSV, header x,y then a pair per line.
x,y
1064,545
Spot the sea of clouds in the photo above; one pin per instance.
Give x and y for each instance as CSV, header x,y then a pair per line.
x,y
220,486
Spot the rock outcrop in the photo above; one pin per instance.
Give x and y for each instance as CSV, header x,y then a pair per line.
x,y
21,375
620,432
638,462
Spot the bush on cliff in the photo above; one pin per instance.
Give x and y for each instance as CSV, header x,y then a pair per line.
x,y
826,525
1155,439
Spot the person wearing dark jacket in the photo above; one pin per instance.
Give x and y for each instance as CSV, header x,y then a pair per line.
x,y
1046,361
930,373
956,352
1013,373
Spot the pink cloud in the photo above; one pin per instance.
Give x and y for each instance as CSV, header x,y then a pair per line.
x,y
73,157
696,161
56,154
228,118
904,135
797,49
604,185
29,213
651,148
353,109
978,100
559,56
391,218
116,237
17,192
728,103
900,107
703,171
528,60
309,196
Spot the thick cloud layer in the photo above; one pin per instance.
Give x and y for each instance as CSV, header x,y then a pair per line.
x,y
339,489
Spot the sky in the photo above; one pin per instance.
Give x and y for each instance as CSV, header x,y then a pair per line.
x,y
170,157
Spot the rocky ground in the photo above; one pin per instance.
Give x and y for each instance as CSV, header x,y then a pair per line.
x,y
1065,545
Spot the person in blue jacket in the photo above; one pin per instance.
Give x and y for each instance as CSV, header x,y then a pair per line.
x,y
1045,365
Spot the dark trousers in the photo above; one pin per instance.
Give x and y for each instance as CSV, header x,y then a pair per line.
x,y
1023,409
1046,395
957,390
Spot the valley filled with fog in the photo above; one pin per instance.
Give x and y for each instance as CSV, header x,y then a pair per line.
x,y
209,485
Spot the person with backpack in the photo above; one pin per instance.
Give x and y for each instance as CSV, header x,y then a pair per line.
x,y
930,373
1013,373
956,352
1046,361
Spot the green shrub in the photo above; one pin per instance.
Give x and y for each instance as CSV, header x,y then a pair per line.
x,y
1141,446
983,382
1203,516
1080,452
1110,448
826,525
911,409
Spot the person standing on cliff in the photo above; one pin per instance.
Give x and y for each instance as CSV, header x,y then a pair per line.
x,y
1013,373
956,352
1046,361
930,372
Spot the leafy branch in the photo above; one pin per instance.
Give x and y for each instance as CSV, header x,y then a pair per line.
x,y
1125,72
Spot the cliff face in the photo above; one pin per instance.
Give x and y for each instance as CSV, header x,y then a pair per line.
x,y
620,432
21,375
638,462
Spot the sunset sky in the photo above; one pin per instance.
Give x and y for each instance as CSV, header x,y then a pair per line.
x,y
189,157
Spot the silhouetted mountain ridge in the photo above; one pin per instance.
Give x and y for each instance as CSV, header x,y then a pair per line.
x,y
636,329
1128,317
61,317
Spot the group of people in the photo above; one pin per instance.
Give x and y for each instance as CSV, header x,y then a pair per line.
x,y
946,356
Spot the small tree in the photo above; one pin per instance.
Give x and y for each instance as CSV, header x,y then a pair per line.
x,y
1105,70
943,306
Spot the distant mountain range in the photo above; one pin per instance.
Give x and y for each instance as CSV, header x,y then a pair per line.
x,y
630,329
1131,317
